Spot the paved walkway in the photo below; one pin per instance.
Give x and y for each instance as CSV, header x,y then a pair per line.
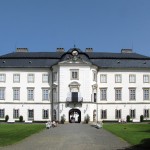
x,y
71,137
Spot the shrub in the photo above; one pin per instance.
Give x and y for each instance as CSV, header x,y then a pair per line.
x,y
21,119
87,119
128,118
6,118
141,118
63,119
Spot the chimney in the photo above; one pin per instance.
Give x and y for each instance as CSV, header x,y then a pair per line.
x,y
89,50
21,49
126,51
60,50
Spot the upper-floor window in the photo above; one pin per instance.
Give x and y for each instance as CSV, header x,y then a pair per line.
x,y
146,94
146,78
118,78
94,76
103,94
2,93
30,93
103,78
45,78
16,78
74,74
118,94
30,78
16,93
132,78
45,94
132,93
2,77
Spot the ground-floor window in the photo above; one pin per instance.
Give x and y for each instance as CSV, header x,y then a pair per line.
x,y
132,113
104,114
54,114
45,114
146,113
16,113
118,113
2,113
30,114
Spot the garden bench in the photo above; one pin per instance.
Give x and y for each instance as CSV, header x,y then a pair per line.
x,y
11,121
28,121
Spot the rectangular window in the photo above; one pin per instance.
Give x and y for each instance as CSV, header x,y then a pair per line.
x,y
146,113
118,94
30,78
45,94
132,93
74,96
16,93
2,93
54,76
132,78
146,78
94,76
103,94
16,78
103,78
45,78
30,93
75,74
45,114
118,78
104,114
16,113
2,113
132,113
146,94
118,113
2,77
30,114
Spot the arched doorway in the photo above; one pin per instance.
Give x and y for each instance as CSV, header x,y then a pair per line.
x,y
74,116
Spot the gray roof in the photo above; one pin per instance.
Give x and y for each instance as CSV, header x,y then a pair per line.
x,y
48,59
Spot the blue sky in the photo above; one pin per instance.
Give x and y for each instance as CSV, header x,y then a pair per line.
x,y
104,25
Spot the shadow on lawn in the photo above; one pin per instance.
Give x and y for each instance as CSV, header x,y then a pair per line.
x,y
144,145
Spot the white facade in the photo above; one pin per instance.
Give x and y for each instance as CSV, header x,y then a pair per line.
x,y
102,93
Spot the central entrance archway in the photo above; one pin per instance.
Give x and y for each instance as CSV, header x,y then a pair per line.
x,y
74,116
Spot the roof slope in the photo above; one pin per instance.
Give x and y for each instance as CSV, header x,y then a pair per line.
x,y
48,59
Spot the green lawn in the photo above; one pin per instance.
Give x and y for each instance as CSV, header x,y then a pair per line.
x,y
12,133
134,134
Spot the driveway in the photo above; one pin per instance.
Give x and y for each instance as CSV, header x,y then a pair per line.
x,y
71,137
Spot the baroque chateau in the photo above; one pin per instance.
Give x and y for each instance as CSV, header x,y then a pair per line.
x,y
42,86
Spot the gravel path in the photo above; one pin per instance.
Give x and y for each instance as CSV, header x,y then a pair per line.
x,y
71,137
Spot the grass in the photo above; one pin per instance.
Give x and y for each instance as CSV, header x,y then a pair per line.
x,y
12,133
135,134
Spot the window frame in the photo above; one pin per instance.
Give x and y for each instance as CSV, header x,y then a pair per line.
x,y
118,96
103,78
31,78
45,113
30,94
132,78
146,96
2,77
18,78
16,93
118,78
132,95
103,94
146,78
2,93
74,74
45,78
